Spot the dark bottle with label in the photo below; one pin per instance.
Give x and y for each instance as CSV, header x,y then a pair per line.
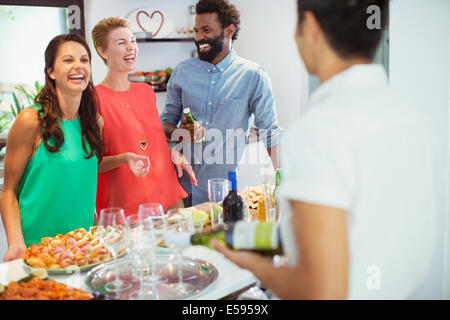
x,y
233,206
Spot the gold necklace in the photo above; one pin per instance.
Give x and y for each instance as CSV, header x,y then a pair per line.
x,y
143,144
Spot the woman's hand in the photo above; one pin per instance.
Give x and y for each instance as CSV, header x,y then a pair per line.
x,y
139,165
15,251
180,161
244,259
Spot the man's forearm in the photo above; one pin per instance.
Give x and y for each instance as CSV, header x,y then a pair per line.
x,y
169,128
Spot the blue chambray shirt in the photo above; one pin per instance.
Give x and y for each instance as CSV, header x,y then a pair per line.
x,y
226,98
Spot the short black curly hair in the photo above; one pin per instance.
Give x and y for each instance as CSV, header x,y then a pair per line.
x,y
226,12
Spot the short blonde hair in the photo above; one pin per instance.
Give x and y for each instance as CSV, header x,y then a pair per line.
x,y
102,29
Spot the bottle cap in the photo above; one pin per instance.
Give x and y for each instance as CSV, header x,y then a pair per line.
x,y
233,179
186,110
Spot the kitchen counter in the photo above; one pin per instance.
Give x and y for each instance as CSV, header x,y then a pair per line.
x,y
231,279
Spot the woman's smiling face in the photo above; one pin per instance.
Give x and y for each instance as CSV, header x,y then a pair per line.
x,y
72,68
121,50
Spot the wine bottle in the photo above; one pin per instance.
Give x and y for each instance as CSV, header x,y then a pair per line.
x,y
261,237
233,206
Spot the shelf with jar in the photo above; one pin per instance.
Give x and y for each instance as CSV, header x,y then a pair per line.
x,y
157,79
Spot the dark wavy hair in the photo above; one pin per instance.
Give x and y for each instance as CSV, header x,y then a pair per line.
x,y
344,24
50,115
226,12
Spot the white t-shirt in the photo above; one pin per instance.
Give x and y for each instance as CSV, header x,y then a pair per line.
x,y
361,148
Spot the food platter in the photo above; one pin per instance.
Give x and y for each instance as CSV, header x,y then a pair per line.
x,y
70,269
201,275
37,286
76,251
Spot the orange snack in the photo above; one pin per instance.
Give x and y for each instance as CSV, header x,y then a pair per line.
x,y
38,289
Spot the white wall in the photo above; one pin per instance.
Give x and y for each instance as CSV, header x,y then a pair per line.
x,y
419,67
267,37
447,223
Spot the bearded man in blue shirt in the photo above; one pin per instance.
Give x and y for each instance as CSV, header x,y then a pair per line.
x,y
225,93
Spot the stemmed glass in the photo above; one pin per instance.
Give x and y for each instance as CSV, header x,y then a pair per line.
x,y
145,232
180,222
114,237
159,229
150,209
217,191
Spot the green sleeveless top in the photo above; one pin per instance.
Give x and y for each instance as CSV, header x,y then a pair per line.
x,y
57,190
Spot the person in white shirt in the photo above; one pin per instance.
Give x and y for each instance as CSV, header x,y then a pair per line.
x,y
359,195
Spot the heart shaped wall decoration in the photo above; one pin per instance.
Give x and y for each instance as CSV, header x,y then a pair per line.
x,y
147,23
151,20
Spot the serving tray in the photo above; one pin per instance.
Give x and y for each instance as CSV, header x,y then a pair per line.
x,y
198,273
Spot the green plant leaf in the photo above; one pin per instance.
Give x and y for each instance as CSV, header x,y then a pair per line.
x,y
17,107
37,86
29,95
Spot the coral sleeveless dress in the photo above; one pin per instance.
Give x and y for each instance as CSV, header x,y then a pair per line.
x,y
132,124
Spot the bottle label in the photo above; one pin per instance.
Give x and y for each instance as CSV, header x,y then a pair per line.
x,y
254,235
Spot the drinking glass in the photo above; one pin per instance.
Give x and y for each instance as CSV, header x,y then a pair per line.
x,y
180,222
159,229
218,189
150,209
145,211
114,237
141,234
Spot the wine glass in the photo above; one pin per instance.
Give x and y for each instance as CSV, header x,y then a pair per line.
x,y
114,237
140,236
150,209
147,232
217,191
158,232
180,222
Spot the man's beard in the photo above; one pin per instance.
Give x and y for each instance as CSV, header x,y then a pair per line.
x,y
216,44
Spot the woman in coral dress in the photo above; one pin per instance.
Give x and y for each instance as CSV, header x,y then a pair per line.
x,y
132,131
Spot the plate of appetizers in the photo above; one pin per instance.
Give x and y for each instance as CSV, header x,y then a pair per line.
x,y
37,286
76,251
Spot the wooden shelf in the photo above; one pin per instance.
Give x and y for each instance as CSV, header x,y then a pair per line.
x,y
165,40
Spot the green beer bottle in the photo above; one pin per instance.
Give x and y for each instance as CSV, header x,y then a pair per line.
x,y
275,193
191,121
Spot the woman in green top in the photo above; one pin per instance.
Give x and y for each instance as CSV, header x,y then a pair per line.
x,y
53,150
